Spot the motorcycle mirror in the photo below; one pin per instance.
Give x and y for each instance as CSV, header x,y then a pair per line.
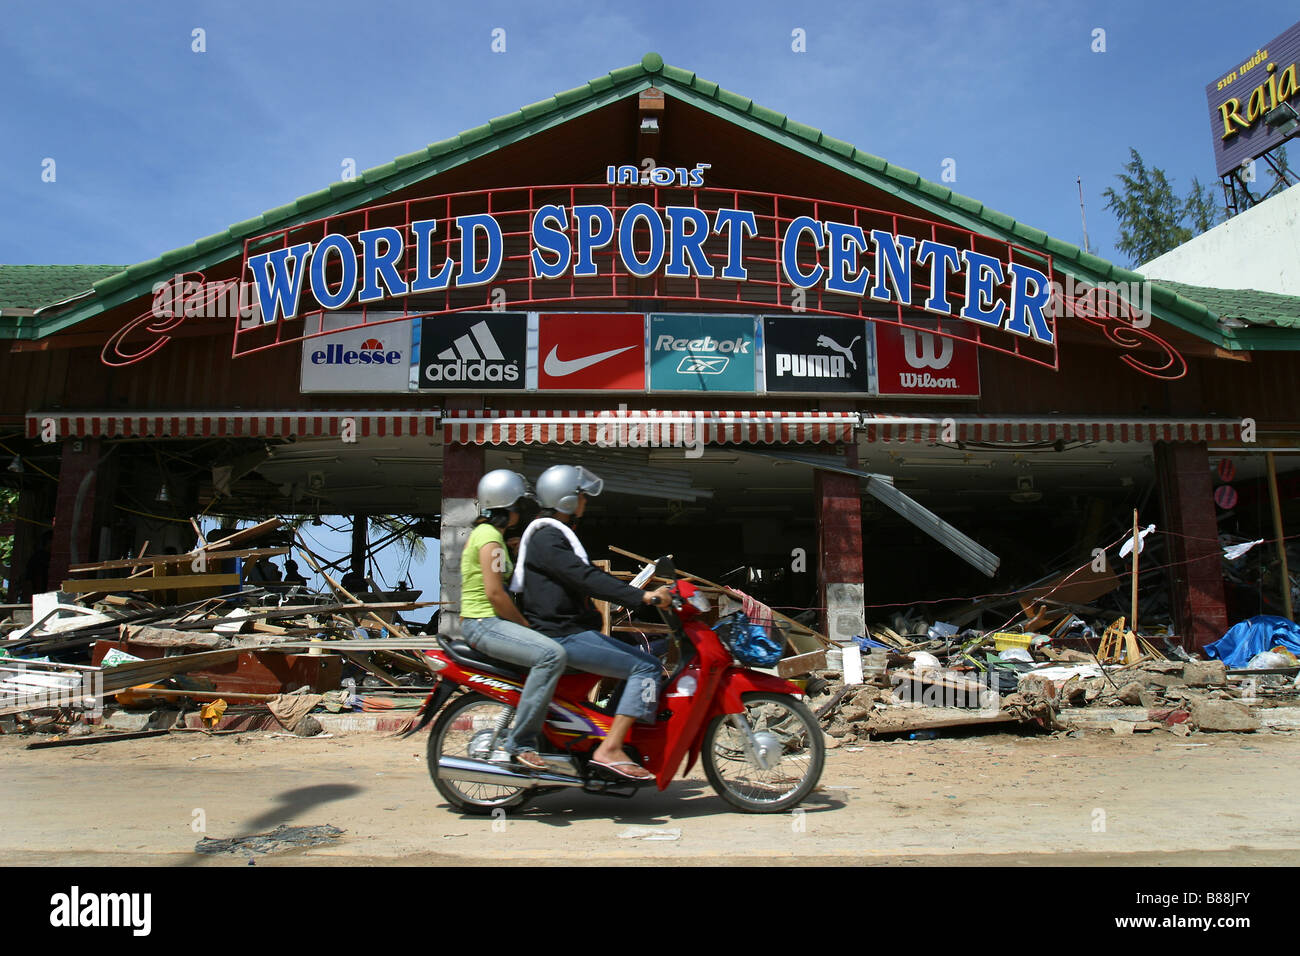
x,y
665,568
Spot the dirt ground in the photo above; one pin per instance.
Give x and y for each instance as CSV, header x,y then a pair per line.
x,y
1147,800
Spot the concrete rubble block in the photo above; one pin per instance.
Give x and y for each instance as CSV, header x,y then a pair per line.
x,y
1038,686
855,712
1076,694
1222,716
128,722
1205,673
1130,693
838,728
1157,679
1173,668
1182,730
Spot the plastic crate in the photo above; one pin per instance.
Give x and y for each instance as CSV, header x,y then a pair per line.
x,y
1005,640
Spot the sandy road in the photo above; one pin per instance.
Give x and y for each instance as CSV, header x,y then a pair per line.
x,y
1145,799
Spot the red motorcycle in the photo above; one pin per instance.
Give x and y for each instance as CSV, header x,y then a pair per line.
x,y
761,747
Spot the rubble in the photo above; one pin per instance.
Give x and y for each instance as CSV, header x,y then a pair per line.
x,y
117,642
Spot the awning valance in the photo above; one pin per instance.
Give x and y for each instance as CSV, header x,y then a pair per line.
x,y
232,424
646,428
968,428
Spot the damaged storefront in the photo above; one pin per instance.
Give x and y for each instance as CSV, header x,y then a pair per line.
x,y
856,396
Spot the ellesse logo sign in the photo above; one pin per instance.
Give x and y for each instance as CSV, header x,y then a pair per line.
x,y
913,362
373,358
477,351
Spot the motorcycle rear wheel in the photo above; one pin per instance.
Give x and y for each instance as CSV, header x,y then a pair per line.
x,y
473,741
741,780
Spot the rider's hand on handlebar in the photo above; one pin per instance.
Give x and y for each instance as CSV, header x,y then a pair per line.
x,y
660,597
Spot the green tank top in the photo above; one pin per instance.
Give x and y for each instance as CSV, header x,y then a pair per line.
x,y
473,598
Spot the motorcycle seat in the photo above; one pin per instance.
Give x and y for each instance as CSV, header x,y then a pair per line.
x,y
467,656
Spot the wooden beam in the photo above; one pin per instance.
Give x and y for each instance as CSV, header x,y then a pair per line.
x,y
1279,534
791,624
164,560
181,582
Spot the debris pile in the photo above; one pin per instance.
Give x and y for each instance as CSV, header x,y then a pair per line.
x,y
234,656
918,679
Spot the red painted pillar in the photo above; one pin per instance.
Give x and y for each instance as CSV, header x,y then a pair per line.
x,y
74,508
839,551
1186,495
462,467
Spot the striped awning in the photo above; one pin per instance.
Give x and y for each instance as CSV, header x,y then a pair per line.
x,y
932,429
615,428
232,424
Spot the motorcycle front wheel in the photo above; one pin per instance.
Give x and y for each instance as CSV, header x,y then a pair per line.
x,y
467,728
775,770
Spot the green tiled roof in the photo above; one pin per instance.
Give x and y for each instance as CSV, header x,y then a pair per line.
x,y
30,287
375,184
1243,305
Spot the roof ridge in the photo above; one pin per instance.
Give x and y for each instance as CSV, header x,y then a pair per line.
x,y
650,70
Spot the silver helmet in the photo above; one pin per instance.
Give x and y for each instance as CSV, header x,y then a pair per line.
x,y
558,487
500,489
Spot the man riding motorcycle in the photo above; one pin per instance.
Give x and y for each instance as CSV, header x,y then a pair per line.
x,y
558,583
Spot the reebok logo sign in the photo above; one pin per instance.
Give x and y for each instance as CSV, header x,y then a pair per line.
x,y
738,346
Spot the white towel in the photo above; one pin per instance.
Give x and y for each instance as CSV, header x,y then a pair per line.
x,y
517,580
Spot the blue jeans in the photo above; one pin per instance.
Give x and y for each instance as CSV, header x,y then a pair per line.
x,y
544,658
595,653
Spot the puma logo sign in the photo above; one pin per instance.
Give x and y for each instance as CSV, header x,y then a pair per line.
x,y
826,342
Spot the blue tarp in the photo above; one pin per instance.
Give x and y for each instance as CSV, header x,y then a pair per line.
x,y
1248,638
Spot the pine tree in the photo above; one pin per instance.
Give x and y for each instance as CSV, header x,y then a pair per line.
x,y
1152,219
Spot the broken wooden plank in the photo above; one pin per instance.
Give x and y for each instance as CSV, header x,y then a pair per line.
x,y
95,739
175,559
801,664
181,582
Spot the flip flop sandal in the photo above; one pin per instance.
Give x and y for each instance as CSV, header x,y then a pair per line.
x,y
613,768
530,760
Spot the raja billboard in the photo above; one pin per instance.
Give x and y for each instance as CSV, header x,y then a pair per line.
x,y
910,362
376,358
702,353
1245,92
586,351
473,351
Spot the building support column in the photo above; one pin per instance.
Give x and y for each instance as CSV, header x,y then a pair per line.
x,y
462,467
839,551
74,508
1187,503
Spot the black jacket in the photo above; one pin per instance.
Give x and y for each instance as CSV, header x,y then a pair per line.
x,y
558,587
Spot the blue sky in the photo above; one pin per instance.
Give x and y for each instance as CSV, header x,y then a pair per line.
x,y
156,145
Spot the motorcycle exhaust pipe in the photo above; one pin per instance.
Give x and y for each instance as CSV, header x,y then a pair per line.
x,y
481,771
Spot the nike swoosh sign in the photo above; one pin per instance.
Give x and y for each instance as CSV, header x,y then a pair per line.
x,y
558,368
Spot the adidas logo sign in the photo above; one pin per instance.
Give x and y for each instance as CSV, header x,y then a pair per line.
x,y
473,357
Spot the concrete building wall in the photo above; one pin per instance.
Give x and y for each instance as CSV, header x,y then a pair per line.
x,y
1257,249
